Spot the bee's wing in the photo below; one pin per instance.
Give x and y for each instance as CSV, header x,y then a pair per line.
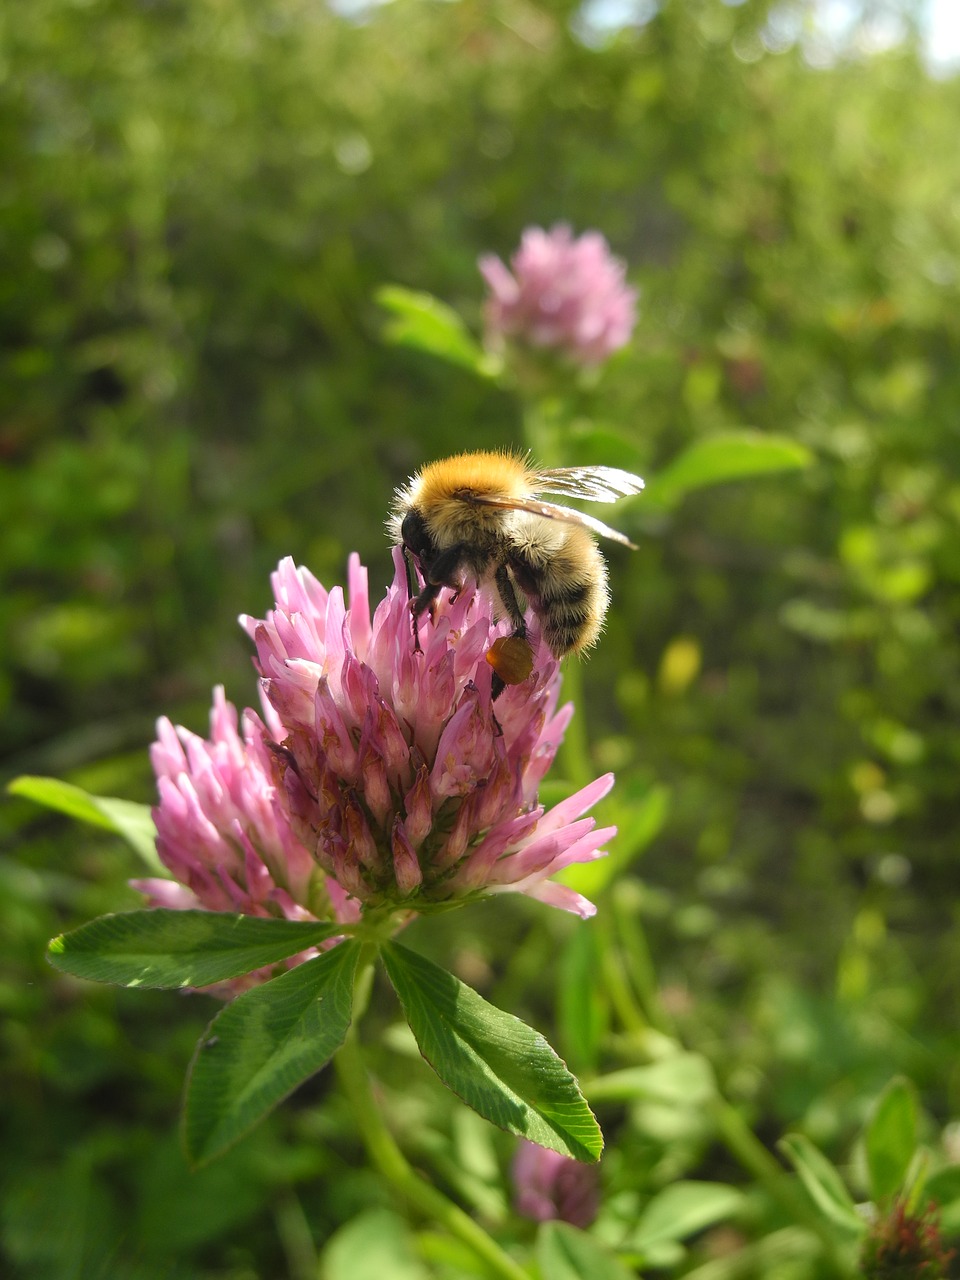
x,y
593,484
553,511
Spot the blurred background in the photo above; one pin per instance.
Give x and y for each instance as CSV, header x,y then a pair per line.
x,y
198,203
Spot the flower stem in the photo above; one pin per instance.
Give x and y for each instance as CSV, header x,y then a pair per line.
x,y
393,1165
636,962
733,1130
749,1151
617,987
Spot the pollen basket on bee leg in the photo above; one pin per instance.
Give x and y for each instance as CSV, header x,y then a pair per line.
x,y
511,658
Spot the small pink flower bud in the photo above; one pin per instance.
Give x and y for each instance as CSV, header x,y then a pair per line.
x,y
567,294
549,1185
405,865
902,1244
375,786
358,837
419,811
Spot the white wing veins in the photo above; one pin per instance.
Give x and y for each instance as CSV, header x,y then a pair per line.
x,y
593,484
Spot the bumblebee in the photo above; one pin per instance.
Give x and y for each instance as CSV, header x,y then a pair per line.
x,y
480,516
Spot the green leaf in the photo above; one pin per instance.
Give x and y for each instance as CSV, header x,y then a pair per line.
x,y
685,1079
582,1003
566,1253
586,442
179,1209
375,1245
497,1064
681,1210
733,455
71,1195
423,321
792,1252
943,1188
262,1046
160,948
823,1183
891,1138
133,822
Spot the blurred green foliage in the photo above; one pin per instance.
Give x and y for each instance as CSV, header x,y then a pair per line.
x,y
198,204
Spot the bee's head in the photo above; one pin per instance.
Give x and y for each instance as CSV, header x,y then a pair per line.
x,y
415,536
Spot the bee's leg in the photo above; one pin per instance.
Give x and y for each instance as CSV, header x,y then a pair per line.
x,y
444,568
511,606
439,570
508,598
408,567
412,596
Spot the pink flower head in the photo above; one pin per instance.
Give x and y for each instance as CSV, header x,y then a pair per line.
x,y
564,293
906,1242
549,1185
221,834
378,777
395,771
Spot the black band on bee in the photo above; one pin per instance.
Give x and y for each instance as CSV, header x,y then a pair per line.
x,y
561,639
482,517
572,597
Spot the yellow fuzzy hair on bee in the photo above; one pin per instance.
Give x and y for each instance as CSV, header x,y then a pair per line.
x,y
480,516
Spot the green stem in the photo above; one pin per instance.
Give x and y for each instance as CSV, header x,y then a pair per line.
x,y
746,1147
296,1238
637,962
788,1245
735,1133
617,987
390,1160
